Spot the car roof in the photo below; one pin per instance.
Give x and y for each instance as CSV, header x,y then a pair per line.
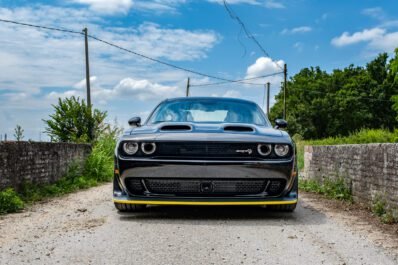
x,y
209,99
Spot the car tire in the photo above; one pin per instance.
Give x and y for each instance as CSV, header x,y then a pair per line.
x,y
283,207
126,207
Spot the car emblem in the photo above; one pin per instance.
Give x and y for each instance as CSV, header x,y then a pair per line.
x,y
248,151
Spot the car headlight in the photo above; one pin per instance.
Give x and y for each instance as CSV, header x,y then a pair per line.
x,y
281,149
264,149
148,148
130,148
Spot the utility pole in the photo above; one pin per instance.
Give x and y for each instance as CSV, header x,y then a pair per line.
x,y
268,94
284,91
187,91
87,69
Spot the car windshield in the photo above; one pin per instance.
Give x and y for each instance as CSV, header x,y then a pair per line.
x,y
208,111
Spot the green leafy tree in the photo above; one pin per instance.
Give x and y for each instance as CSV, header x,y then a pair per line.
x,y
18,133
321,104
74,121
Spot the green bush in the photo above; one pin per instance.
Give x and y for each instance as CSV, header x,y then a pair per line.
x,y
333,189
97,168
380,208
10,201
99,165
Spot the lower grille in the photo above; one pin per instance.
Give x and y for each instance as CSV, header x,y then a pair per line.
x,y
134,186
206,187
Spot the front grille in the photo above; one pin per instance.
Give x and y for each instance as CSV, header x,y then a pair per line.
x,y
134,186
206,187
206,149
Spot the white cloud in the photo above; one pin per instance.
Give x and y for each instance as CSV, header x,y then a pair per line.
x,y
47,59
374,12
365,35
234,2
376,39
159,6
141,89
299,46
388,42
270,4
265,66
296,30
107,6
82,84
232,94
38,66
127,89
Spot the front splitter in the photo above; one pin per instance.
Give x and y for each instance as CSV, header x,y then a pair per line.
x,y
219,202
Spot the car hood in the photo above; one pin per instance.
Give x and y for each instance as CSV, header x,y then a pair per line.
x,y
207,132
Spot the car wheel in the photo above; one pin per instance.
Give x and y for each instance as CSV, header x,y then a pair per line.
x,y
283,207
126,207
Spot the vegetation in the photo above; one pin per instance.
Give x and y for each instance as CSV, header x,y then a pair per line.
x,y
340,103
363,136
75,121
10,201
331,188
18,133
380,208
97,169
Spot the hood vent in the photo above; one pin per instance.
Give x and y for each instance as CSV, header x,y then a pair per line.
x,y
238,128
176,128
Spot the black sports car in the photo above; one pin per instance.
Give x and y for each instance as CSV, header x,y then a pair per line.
x,y
205,151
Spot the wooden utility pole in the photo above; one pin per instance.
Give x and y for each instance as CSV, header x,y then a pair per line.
x,y
284,91
187,91
268,95
87,69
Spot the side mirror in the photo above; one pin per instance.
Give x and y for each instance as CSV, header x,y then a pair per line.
x,y
135,121
280,124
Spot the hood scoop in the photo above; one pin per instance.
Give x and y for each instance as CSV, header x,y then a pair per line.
x,y
238,128
176,127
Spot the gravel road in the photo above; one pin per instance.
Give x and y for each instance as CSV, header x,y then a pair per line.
x,y
84,228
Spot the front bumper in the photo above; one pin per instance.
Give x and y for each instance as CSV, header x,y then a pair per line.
x,y
186,169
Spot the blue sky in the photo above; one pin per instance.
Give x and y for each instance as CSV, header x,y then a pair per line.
x,y
37,67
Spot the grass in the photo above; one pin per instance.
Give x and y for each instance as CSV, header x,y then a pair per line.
x,y
364,136
332,189
10,201
98,168
387,214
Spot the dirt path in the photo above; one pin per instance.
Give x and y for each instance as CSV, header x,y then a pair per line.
x,y
84,228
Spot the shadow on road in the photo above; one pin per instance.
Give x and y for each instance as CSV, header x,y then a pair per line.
x,y
209,214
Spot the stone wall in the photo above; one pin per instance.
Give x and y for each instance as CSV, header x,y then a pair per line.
x,y
369,169
37,162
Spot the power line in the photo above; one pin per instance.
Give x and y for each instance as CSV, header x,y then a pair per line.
x,y
41,27
234,16
126,50
239,81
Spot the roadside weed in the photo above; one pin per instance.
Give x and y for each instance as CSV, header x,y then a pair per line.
x,y
331,188
10,201
387,214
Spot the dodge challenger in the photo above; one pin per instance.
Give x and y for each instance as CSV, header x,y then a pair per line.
x,y
205,151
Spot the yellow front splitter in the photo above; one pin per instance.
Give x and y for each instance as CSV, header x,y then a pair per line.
x,y
204,203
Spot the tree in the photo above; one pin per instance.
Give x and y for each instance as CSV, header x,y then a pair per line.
x,y
18,133
74,121
322,104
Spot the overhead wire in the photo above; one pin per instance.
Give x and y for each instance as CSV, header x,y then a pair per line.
x,y
239,81
243,26
128,50
224,80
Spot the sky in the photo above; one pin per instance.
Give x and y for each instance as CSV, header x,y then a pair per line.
x,y
39,66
